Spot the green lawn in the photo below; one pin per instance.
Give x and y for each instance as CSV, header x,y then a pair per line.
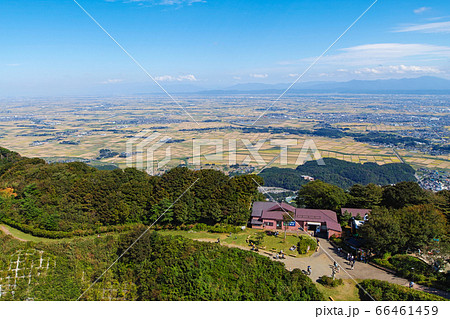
x,y
271,243
347,292
28,237
19,234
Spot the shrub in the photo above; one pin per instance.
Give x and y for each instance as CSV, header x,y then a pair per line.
x,y
383,263
224,229
385,291
328,281
200,227
304,243
336,240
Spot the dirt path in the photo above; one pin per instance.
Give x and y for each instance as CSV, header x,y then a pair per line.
x,y
366,271
7,232
321,263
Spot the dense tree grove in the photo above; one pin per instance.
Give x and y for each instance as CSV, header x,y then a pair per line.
x,y
176,268
156,268
404,216
408,228
320,195
74,196
340,173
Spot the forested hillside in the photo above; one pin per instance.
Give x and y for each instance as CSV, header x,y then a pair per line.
x,y
156,268
63,199
340,173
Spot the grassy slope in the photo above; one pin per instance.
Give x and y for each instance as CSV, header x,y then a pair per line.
x,y
17,234
239,239
347,292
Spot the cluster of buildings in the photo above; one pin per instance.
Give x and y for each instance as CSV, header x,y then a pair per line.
x,y
433,180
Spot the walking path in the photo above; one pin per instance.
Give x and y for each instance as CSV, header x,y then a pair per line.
x,y
366,271
7,232
321,263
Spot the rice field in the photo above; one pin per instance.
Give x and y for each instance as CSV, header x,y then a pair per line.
x,y
96,127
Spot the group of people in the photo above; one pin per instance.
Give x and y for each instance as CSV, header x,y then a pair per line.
x,y
351,260
280,255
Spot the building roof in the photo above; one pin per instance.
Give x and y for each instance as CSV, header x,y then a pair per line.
x,y
272,210
356,211
258,208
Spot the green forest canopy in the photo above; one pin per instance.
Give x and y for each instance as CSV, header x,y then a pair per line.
x,y
74,196
340,173
156,268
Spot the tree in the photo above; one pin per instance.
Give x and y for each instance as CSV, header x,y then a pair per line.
x,y
317,194
368,196
383,231
345,218
421,224
259,238
413,227
404,194
287,218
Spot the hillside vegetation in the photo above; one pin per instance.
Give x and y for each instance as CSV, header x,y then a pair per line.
x,y
65,199
340,173
156,268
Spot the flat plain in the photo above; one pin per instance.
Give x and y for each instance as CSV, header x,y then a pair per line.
x,y
78,128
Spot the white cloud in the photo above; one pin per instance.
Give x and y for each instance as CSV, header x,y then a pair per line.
x,y
112,81
293,75
180,78
385,54
397,69
189,77
259,76
421,10
396,50
381,54
435,27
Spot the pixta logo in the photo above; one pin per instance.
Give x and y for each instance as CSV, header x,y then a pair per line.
x,y
140,151
142,148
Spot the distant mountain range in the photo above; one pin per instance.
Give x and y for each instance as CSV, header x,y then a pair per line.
x,y
423,85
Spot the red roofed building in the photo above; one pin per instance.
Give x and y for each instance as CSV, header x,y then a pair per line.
x,y
362,212
269,215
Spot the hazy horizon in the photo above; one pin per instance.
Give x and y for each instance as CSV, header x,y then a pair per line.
x,y
54,48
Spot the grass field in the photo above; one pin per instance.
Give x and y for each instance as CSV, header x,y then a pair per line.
x,y
24,236
28,237
271,243
346,292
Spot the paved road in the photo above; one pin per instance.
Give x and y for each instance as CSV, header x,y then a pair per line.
x,y
322,261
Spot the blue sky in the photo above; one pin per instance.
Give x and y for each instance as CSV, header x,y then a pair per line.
x,y
52,46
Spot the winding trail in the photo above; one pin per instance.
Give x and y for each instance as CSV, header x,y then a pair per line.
x,y
7,232
321,264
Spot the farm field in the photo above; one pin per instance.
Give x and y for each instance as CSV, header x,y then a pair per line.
x,y
77,129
